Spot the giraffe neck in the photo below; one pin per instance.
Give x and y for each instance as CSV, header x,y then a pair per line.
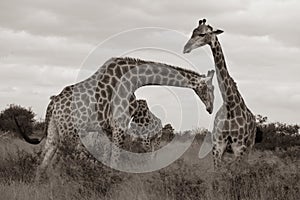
x,y
228,88
162,75
145,73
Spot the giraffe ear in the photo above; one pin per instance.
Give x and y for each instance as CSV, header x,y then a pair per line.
x,y
210,74
218,31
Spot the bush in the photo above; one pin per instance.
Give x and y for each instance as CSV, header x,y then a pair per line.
x,y
24,116
167,133
278,135
286,129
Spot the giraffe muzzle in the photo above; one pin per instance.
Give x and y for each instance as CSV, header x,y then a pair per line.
x,y
188,47
209,110
187,50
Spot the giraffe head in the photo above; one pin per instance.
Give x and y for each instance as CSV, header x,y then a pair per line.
x,y
202,35
205,90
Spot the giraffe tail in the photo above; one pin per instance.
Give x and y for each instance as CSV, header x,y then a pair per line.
x,y
23,134
258,135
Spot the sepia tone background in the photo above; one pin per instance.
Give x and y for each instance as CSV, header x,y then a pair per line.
x,y
43,43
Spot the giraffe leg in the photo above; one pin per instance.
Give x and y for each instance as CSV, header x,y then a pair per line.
x,y
216,157
217,152
241,154
49,150
118,142
151,145
155,144
107,152
156,141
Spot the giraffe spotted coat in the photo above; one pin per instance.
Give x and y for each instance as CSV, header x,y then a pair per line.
x,y
106,101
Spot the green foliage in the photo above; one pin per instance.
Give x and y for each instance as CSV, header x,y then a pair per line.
x,y
24,116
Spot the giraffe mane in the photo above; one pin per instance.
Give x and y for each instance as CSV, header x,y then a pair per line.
x,y
140,61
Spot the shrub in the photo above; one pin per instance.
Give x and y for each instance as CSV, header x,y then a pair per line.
x,y
167,133
278,136
24,116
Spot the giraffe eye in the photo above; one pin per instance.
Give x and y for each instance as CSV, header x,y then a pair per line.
x,y
202,34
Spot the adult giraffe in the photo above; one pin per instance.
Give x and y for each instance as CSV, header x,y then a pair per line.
x,y
234,126
106,101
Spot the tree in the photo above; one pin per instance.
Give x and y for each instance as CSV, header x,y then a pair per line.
x,y
25,118
167,133
261,119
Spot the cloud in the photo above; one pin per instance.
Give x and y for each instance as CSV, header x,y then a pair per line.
x,y
42,44
95,20
22,47
272,18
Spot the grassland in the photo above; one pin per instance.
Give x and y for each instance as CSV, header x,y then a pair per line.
x,y
270,174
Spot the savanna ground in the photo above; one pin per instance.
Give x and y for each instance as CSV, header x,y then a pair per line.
x,y
273,172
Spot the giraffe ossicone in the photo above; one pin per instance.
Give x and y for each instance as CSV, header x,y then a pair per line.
x,y
234,128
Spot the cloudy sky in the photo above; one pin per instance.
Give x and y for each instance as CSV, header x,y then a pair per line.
x,y
44,45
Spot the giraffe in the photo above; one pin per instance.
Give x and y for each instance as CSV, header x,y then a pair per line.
x,y
147,126
106,101
234,128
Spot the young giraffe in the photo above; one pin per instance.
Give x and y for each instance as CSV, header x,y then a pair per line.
x,y
234,126
147,126
106,101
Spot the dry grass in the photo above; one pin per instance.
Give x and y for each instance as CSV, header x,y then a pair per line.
x,y
269,175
